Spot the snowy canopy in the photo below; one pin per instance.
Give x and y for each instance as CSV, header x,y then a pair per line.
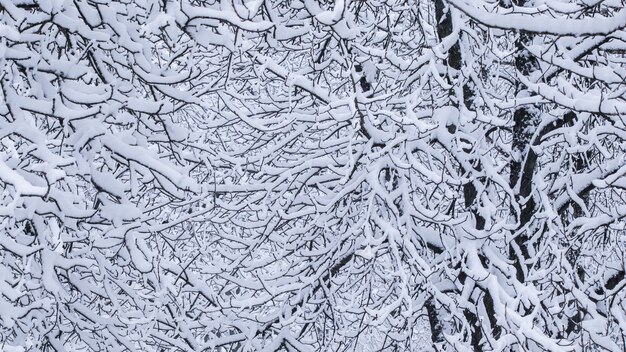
x,y
312,175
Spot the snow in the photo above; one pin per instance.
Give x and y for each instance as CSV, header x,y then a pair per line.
x,y
212,176
330,18
545,24
23,187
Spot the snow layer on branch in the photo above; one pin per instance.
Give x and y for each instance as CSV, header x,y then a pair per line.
x,y
544,23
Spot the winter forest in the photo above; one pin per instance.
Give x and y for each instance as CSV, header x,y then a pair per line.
x,y
312,175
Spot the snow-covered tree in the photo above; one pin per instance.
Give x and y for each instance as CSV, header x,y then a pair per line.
x,y
312,175
558,283
96,153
